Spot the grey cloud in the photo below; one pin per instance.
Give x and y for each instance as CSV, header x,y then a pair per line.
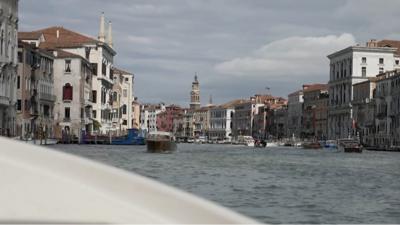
x,y
165,42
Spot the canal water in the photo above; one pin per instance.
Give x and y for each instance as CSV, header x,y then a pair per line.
x,y
272,185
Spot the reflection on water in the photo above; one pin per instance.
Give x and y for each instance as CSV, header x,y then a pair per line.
x,y
279,185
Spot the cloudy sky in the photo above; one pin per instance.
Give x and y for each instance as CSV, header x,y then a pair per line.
x,y
237,47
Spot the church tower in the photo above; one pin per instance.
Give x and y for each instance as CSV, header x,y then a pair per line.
x,y
195,94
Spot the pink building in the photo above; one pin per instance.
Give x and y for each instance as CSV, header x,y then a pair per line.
x,y
165,120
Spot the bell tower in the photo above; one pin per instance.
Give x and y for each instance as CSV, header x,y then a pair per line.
x,y
195,94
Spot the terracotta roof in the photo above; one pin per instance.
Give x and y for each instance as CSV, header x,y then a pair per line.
x,y
314,87
66,38
64,54
232,103
390,43
115,69
29,35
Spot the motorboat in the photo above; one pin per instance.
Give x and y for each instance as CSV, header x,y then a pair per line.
x,y
160,142
246,140
331,144
311,145
54,187
349,145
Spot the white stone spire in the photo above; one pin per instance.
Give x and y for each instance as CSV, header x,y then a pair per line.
x,y
101,32
109,35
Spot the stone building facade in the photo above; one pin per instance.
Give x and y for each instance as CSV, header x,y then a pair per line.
x,y
35,93
348,67
295,114
364,110
315,114
73,87
8,66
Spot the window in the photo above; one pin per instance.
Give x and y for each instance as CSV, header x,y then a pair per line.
x,y
381,61
126,79
68,66
46,110
124,109
20,57
397,62
103,69
67,112
67,92
363,71
363,60
124,122
125,93
19,104
380,69
18,82
94,96
94,68
94,113
82,113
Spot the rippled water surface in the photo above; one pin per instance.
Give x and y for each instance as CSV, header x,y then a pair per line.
x,y
274,185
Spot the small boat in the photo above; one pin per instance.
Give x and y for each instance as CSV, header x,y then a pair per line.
x,y
349,145
272,144
311,145
132,138
160,142
331,144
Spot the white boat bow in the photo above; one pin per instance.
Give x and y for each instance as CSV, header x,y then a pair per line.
x,y
40,185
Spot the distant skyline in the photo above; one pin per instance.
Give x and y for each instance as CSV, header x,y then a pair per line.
x,y
238,48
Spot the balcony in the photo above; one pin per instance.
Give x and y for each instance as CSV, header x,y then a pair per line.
x,y
47,97
4,101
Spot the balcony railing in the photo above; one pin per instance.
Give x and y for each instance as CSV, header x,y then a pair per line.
x,y
47,97
4,100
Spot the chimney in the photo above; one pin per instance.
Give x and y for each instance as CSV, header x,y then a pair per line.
x,y
58,33
109,37
373,43
101,32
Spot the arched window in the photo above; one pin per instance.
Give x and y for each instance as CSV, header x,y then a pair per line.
x,y
67,92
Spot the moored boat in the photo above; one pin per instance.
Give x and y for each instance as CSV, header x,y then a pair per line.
x,y
160,142
311,145
349,146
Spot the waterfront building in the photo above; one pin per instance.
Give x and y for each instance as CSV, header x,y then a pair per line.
x,y
188,124
242,119
195,94
122,98
295,114
364,110
73,86
8,66
100,54
165,120
387,104
148,116
136,114
277,121
265,106
315,114
178,125
201,120
221,121
350,66
35,93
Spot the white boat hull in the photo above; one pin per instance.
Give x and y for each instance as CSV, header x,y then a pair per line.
x,y
40,185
